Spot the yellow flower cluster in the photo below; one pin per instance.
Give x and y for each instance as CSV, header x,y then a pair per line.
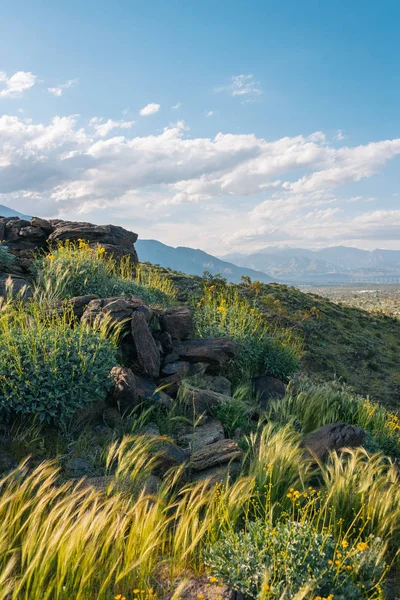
x,y
330,597
137,593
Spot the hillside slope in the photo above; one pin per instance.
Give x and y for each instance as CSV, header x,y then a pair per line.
x,y
194,262
356,346
5,211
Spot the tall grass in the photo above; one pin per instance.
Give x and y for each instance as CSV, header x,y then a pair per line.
x,y
73,268
62,541
313,405
221,312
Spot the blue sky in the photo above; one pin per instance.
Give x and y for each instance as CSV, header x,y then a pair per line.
x,y
224,126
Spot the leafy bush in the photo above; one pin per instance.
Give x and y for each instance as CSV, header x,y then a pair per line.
x,y
76,269
6,259
280,560
236,412
222,313
48,367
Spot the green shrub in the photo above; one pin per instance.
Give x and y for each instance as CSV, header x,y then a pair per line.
x,y
48,367
280,560
222,313
76,269
6,259
236,412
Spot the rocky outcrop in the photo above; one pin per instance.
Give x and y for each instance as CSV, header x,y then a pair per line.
x,y
214,352
215,454
333,437
24,238
147,354
119,308
202,400
123,394
268,388
178,322
212,431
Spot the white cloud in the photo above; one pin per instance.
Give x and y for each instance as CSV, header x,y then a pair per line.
x,y
243,86
176,106
103,128
340,136
58,91
226,191
17,84
210,113
149,109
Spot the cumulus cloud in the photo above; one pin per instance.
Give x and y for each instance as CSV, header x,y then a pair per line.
x,y
244,86
176,106
17,84
219,191
210,113
58,91
149,109
103,128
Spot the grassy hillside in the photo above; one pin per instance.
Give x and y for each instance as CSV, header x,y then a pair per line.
x,y
359,347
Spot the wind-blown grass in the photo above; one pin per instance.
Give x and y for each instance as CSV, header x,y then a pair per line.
x,y
313,405
72,541
77,269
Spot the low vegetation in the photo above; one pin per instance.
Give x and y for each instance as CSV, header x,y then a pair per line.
x,y
283,526
221,312
77,269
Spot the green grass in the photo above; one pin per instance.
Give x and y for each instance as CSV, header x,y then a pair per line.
x,y
313,405
77,269
123,539
221,312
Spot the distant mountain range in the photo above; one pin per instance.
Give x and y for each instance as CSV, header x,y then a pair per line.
x,y
9,212
194,262
338,264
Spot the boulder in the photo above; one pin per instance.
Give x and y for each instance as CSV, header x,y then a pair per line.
x,y
123,395
215,454
202,400
149,391
42,223
217,383
218,474
78,304
169,456
215,352
147,354
119,308
268,388
178,322
103,234
203,435
333,437
16,285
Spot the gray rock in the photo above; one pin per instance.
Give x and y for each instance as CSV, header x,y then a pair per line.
x,y
119,308
178,322
218,474
215,352
218,383
147,355
268,388
212,431
123,395
333,437
215,454
78,304
202,400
